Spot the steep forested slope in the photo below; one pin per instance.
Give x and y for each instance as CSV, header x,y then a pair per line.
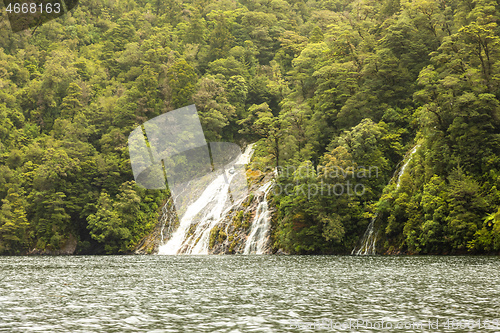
x,y
328,88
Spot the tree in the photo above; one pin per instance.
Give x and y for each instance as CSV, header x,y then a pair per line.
x,y
14,225
213,107
71,102
264,124
182,81
316,35
221,39
106,226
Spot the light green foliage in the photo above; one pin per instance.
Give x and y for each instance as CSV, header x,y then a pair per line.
x,y
316,83
107,227
182,80
14,226
262,123
488,238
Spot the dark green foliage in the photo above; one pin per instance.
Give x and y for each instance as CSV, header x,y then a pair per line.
x,y
318,84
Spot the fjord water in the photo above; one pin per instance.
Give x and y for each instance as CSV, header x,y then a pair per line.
x,y
239,293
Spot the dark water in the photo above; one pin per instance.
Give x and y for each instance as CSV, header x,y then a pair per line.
x,y
247,293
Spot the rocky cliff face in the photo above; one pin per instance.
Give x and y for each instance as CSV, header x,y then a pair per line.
x,y
230,235
167,222
68,248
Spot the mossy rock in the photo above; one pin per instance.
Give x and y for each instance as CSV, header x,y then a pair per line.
x,y
232,246
247,220
249,200
214,233
237,219
222,236
191,230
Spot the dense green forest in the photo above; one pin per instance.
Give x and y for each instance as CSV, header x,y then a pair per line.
x,y
318,84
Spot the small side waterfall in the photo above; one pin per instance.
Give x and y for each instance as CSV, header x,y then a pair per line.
x,y
259,231
403,168
192,235
369,240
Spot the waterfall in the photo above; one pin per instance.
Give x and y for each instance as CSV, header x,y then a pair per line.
x,y
369,240
201,216
257,239
405,165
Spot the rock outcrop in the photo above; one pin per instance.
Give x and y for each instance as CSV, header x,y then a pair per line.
x,y
229,236
68,248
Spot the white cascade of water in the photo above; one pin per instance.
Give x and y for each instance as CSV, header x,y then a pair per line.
x,y
403,168
369,240
247,155
257,239
192,235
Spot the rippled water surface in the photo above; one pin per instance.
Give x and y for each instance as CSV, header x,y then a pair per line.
x,y
242,293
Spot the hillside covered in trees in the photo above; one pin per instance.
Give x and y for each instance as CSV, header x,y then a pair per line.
x,y
319,85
